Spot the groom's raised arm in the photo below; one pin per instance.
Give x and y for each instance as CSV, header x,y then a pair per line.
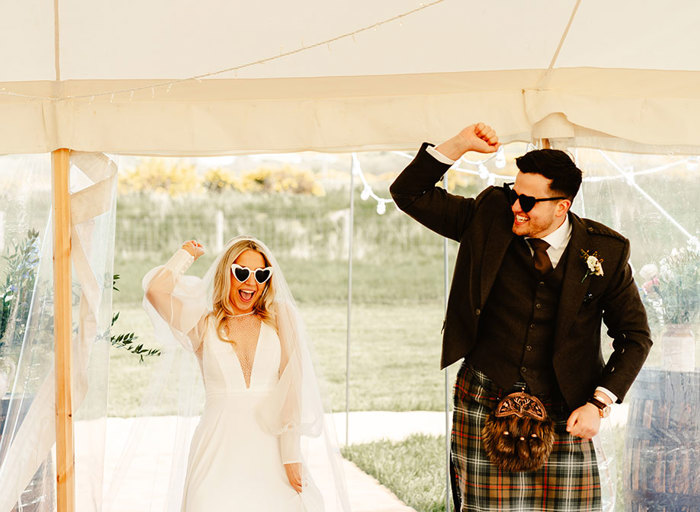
x,y
414,190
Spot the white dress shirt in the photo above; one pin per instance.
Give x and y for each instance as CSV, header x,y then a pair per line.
x,y
557,240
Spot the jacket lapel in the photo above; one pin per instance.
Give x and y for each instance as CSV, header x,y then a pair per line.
x,y
497,242
574,287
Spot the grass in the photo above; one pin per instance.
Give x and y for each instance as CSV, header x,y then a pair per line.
x,y
414,469
406,279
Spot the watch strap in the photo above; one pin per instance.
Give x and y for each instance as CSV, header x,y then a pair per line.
x,y
603,408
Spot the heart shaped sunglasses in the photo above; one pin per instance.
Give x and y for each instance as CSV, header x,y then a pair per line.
x,y
243,273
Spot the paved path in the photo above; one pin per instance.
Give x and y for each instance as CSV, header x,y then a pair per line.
x,y
146,479
152,457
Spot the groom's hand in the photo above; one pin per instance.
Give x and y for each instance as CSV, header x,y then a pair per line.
x,y
477,137
293,471
584,422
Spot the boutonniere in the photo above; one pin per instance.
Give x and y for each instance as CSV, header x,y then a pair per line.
x,y
594,264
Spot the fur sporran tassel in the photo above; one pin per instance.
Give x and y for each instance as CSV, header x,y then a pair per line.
x,y
518,435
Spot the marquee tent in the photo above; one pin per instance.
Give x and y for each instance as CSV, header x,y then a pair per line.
x,y
216,77
199,78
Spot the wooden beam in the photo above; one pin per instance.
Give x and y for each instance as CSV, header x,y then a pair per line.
x,y
545,144
65,458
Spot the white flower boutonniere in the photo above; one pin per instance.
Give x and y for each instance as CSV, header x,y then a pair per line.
x,y
594,264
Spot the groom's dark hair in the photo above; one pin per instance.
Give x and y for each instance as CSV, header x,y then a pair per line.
x,y
554,165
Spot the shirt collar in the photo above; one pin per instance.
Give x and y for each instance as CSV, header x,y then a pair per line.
x,y
560,236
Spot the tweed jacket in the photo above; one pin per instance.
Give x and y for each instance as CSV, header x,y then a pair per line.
x,y
483,228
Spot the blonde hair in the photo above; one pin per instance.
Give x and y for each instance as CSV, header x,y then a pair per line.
x,y
222,305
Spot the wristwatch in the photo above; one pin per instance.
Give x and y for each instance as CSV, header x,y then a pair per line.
x,y
603,408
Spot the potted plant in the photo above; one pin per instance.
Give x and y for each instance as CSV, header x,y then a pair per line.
x,y
671,293
16,291
662,439
16,295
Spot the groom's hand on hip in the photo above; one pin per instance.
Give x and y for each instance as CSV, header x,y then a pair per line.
x,y
477,137
584,422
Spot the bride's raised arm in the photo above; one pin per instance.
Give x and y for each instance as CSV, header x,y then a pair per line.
x,y
178,299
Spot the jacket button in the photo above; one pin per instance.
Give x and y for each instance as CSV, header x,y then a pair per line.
x,y
523,369
538,306
477,311
612,369
528,348
590,230
532,326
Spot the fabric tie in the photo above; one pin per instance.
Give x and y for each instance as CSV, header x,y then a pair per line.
x,y
540,257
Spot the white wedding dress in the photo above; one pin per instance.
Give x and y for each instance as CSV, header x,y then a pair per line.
x,y
233,464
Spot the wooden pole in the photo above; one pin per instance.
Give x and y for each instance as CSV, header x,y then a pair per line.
x,y
65,459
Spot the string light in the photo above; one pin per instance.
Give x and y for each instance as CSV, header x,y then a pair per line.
x,y
500,159
480,169
483,172
235,69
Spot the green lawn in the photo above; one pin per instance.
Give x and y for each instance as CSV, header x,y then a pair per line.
x,y
414,469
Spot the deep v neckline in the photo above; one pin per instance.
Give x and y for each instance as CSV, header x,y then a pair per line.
x,y
249,385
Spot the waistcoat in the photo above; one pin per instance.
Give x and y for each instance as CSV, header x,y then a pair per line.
x,y
516,328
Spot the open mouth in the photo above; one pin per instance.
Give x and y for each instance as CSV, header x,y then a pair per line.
x,y
246,295
521,219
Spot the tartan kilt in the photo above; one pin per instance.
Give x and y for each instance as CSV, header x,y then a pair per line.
x,y
568,481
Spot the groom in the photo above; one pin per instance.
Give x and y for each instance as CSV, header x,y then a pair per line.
x,y
531,285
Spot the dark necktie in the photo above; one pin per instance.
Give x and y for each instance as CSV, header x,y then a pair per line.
x,y
542,262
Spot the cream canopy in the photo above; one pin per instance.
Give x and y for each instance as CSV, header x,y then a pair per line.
x,y
150,77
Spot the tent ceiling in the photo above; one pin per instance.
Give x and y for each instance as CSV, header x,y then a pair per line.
x,y
626,69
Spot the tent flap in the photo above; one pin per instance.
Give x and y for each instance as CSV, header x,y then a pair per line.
x,y
228,116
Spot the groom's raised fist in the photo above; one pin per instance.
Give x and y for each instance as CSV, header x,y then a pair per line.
x,y
487,140
477,137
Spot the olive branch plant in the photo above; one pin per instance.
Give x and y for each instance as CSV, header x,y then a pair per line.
x,y
16,295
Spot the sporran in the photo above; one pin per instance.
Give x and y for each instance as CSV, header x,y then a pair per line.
x,y
518,435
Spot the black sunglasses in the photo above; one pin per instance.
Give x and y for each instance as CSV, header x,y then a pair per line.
x,y
527,203
243,273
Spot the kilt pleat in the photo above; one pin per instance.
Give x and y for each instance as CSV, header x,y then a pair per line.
x,y
568,481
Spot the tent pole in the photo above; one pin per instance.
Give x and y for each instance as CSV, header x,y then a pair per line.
x,y
350,225
65,459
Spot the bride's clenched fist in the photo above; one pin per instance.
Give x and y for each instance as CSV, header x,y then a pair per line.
x,y
194,248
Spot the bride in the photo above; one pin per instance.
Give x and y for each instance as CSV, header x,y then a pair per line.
x,y
261,392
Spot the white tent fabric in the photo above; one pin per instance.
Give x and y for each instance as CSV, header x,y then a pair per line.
x,y
178,78
27,436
